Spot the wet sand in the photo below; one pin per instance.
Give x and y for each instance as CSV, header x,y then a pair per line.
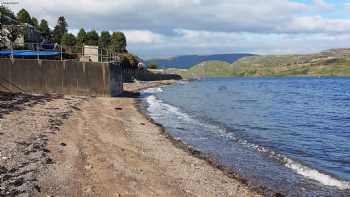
x,y
106,147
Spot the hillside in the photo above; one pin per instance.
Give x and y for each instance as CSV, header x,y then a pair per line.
x,y
335,62
187,61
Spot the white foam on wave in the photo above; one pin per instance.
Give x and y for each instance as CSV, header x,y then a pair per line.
x,y
301,169
158,107
153,90
316,175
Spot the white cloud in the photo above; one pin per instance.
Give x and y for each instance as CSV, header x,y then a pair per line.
x,y
323,5
142,37
185,41
318,24
255,16
165,15
171,27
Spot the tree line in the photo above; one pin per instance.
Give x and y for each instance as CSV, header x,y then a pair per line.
x,y
115,42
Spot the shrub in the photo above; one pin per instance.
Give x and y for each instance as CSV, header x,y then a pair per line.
x,y
153,66
128,59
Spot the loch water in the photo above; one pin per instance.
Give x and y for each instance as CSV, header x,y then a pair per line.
x,y
287,135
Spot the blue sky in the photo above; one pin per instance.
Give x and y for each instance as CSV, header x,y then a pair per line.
x,y
338,10
163,28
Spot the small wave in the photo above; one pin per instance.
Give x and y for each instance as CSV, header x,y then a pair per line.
x,y
153,90
316,175
299,168
158,107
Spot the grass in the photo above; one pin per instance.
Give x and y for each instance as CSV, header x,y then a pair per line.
x,y
334,62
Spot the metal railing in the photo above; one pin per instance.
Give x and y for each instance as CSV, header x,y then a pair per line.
x,y
65,52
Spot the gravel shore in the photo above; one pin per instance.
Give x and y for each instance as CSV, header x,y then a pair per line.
x,y
76,146
26,124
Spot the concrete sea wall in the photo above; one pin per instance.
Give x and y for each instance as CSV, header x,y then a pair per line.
x,y
62,77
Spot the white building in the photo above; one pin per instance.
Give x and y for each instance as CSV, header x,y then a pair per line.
x,y
90,54
28,38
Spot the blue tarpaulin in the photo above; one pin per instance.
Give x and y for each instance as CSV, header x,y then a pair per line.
x,y
29,54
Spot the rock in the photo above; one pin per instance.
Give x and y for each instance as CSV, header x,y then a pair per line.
x,y
18,182
76,108
37,188
3,170
49,161
88,167
88,189
279,195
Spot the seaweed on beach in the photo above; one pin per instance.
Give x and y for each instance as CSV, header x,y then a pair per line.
x,y
24,154
10,102
20,178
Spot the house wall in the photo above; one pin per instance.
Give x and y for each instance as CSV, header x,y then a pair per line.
x,y
30,38
63,77
92,52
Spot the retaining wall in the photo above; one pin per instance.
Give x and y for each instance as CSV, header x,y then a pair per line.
x,y
62,77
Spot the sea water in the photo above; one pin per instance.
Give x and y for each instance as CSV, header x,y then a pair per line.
x,y
284,135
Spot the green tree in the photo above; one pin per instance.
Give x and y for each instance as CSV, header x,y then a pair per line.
x,y
118,43
81,37
68,39
7,17
128,59
23,16
45,29
35,22
105,39
60,29
152,66
92,38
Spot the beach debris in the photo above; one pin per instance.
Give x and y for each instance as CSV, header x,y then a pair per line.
x,y
76,108
118,108
28,156
63,144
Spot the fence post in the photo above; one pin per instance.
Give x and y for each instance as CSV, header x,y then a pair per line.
x,y
37,51
61,53
11,51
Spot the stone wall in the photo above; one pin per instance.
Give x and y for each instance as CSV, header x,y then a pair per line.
x,y
62,77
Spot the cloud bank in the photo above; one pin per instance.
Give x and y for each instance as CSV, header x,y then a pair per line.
x,y
166,28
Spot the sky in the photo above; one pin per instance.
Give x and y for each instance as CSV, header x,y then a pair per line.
x,y
166,28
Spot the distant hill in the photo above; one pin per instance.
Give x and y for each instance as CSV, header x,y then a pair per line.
x,y
187,61
335,62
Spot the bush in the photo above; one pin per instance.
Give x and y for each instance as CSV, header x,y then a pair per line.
x,y
128,59
153,66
